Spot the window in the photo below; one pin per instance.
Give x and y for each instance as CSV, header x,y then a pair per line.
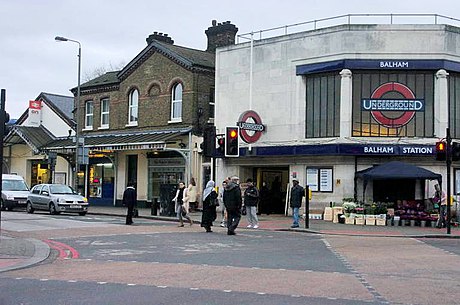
x,y
89,109
319,179
105,113
133,107
176,106
211,104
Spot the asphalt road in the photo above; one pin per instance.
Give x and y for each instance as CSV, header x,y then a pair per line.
x,y
98,260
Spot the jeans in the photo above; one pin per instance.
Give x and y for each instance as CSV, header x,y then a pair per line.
x,y
251,215
233,219
295,216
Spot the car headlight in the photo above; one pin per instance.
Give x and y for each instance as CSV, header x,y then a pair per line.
x,y
61,200
85,199
10,197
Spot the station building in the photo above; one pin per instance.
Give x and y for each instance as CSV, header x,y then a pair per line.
x,y
323,104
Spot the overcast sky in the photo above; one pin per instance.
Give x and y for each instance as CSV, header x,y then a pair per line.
x,y
112,32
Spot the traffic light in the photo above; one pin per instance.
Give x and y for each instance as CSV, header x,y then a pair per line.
x,y
4,119
221,145
455,149
209,141
232,143
441,149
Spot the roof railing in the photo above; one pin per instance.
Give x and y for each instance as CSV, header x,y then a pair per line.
x,y
349,19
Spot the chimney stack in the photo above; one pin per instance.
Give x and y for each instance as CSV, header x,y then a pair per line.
x,y
220,35
159,37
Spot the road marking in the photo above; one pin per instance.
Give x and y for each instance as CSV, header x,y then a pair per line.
x,y
227,291
261,293
131,284
102,283
43,280
193,288
19,278
162,286
71,281
295,296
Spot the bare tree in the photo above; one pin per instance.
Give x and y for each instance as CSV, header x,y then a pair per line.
x,y
102,70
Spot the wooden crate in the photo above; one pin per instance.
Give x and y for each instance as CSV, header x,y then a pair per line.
x,y
359,221
349,220
381,222
370,221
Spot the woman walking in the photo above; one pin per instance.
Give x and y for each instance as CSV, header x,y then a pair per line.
x,y
209,206
192,196
179,206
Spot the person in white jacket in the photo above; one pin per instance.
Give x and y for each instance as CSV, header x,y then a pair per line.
x,y
179,204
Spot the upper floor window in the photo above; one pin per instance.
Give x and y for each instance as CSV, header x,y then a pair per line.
x,y
89,109
105,113
133,107
176,103
212,104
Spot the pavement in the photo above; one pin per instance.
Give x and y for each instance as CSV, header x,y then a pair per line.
x,y
18,253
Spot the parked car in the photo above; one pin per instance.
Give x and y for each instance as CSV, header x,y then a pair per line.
x,y
56,198
14,192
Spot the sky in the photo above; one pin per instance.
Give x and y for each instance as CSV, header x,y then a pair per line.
x,y
113,32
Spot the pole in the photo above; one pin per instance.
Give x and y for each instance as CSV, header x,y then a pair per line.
x,y
77,117
2,134
307,207
448,165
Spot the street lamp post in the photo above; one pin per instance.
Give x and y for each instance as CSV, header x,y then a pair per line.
x,y
77,111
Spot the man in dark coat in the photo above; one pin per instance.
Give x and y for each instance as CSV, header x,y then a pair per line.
x,y
232,201
297,192
130,201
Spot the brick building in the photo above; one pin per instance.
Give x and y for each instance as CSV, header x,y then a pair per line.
x,y
144,123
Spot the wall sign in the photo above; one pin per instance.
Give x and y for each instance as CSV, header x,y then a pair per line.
x,y
251,126
35,113
409,105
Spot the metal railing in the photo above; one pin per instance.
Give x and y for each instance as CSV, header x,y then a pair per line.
x,y
349,19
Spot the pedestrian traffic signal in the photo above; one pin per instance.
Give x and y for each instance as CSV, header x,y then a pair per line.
x,y
455,148
441,149
232,143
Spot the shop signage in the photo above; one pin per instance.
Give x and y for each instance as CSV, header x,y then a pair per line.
x,y
377,106
392,150
251,126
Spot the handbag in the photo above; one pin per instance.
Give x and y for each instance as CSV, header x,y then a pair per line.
x,y
135,212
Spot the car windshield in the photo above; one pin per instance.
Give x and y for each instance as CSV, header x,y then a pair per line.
x,y
14,185
61,189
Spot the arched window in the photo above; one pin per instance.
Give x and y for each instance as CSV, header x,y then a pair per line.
x,y
176,103
133,107
89,109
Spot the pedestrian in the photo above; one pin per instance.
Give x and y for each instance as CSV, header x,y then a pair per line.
x,y
223,211
209,206
179,205
251,199
130,201
297,192
232,202
192,195
440,202
264,199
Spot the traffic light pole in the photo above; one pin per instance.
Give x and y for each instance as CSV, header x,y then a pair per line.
x,y
448,166
2,135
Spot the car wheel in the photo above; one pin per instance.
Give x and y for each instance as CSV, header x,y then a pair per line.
x,y
82,213
53,210
29,207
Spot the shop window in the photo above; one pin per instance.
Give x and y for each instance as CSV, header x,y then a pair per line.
x,y
105,113
457,182
89,110
176,103
320,179
131,168
133,107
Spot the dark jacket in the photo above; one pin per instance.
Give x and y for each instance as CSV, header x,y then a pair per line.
x,y
297,192
209,209
232,196
130,197
251,196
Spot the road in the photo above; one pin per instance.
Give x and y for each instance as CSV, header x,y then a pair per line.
x,y
98,260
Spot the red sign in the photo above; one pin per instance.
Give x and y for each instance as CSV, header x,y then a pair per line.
x,y
35,105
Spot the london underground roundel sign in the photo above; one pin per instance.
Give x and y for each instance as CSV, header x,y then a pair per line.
x,y
251,126
408,105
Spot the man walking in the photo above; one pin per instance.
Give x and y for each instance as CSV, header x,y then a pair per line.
x,y
130,201
232,202
251,198
297,192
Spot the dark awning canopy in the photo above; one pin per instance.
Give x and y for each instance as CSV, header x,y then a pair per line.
x,y
397,170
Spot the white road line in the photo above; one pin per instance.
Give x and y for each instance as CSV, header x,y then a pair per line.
x,y
162,286
131,284
227,291
261,293
43,280
295,296
19,278
71,281
102,283
194,288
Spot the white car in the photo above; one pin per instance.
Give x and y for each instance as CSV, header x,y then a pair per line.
x,y
14,192
56,198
